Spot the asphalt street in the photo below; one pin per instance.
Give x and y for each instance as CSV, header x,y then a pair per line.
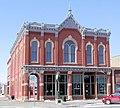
x,y
6,103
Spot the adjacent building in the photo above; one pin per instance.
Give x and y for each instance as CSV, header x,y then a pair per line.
x,y
0,88
81,55
3,89
115,65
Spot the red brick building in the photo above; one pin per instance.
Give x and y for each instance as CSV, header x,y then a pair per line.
x,y
80,54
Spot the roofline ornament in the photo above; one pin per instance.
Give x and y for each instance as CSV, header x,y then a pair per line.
x,y
70,11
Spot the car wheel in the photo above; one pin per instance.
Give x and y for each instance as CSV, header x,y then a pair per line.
x,y
107,102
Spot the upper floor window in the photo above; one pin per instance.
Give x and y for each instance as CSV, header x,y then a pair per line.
x,y
89,54
69,51
101,54
34,51
48,52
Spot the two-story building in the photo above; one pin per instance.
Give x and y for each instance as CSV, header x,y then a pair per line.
x,y
81,55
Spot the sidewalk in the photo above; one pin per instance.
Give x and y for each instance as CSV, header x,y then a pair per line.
x,y
81,101
4,101
88,101
70,104
3,98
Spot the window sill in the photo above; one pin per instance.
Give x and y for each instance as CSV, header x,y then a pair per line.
x,y
90,64
34,61
102,64
49,62
69,63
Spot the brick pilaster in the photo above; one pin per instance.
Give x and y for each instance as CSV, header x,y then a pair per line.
x,y
42,51
56,51
108,84
83,52
41,86
83,86
96,89
107,54
25,86
95,53
69,85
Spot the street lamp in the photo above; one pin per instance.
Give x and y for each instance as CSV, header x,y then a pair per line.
x,y
58,91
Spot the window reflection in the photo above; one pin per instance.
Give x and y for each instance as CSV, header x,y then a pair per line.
x,y
34,51
77,86
89,54
101,54
49,86
102,85
69,52
49,52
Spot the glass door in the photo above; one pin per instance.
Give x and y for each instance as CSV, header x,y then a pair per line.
x,y
89,86
63,85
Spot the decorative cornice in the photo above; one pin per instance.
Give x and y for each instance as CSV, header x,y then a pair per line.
x,y
69,22
24,31
66,68
69,72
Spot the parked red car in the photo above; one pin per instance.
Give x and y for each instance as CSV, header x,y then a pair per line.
x,y
113,98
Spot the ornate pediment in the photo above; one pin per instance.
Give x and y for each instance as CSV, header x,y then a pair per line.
x,y
69,22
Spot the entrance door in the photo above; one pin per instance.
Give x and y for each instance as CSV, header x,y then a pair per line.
x,y
33,87
89,86
63,85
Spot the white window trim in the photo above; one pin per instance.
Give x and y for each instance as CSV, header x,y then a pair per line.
x,y
103,52
72,39
49,40
34,39
89,43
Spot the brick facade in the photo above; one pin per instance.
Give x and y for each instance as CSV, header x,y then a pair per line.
x,y
20,66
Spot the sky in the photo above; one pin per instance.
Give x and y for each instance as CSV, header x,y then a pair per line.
x,y
88,13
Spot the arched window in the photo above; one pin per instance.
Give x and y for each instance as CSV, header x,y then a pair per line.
x,y
69,51
101,54
34,51
48,52
89,54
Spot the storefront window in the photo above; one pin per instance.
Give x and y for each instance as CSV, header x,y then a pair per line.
x,y
117,87
102,85
77,86
49,86
117,81
63,84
